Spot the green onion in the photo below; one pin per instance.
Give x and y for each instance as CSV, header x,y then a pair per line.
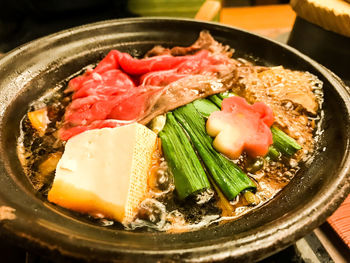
x,y
157,123
226,94
284,143
205,107
216,100
255,165
273,153
189,175
227,175
251,198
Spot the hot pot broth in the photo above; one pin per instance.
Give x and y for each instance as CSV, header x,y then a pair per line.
x,y
294,97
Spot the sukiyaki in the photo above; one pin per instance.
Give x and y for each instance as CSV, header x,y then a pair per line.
x,y
180,139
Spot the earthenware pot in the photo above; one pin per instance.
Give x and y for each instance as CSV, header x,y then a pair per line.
x,y
30,220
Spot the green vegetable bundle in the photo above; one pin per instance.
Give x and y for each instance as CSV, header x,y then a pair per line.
x,y
189,175
227,175
184,136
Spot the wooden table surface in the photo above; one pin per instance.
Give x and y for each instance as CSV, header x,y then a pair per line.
x,y
269,21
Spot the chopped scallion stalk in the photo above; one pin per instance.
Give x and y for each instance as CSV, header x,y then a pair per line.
x,y
251,198
255,165
227,175
284,143
205,107
226,94
189,175
157,123
273,153
216,100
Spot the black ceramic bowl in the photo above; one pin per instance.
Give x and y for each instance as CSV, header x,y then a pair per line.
x,y
312,196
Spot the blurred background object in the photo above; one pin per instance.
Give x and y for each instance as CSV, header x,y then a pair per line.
x,y
332,15
24,20
322,31
273,21
199,9
175,8
209,10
